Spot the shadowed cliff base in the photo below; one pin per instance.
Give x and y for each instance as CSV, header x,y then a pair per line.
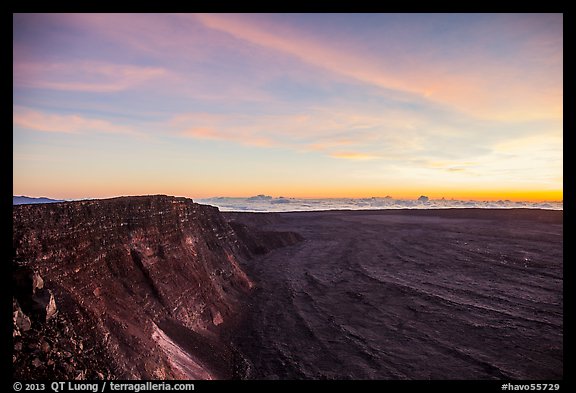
x,y
407,294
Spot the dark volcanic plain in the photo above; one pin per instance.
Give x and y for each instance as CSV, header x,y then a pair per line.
x,y
407,294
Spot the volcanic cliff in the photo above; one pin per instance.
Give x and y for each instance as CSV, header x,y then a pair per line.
x,y
129,288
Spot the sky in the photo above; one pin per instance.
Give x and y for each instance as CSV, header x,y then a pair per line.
x,y
464,106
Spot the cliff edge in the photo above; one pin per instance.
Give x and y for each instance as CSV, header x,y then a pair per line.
x,y
137,288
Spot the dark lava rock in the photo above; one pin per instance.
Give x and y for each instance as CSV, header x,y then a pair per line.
x,y
29,290
20,320
45,347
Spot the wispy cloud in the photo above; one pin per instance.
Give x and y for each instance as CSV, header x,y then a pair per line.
x,y
471,83
304,48
186,58
69,124
318,130
84,76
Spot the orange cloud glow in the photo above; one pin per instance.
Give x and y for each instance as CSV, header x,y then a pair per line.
x,y
354,156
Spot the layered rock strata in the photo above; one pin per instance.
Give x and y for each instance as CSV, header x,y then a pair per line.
x,y
128,288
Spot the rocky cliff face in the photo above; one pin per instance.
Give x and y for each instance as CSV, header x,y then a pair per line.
x,y
143,287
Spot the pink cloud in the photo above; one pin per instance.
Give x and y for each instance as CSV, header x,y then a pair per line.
x,y
242,129
482,87
323,130
479,85
69,124
236,135
157,34
97,77
291,130
304,48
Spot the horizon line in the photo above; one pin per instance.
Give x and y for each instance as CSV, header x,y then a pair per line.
x,y
266,196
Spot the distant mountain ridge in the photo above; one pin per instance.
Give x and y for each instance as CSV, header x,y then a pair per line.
x,y
24,200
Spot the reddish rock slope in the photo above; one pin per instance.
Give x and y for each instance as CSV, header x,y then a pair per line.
x,y
145,288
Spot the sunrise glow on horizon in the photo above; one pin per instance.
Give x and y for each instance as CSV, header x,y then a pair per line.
x,y
463,106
